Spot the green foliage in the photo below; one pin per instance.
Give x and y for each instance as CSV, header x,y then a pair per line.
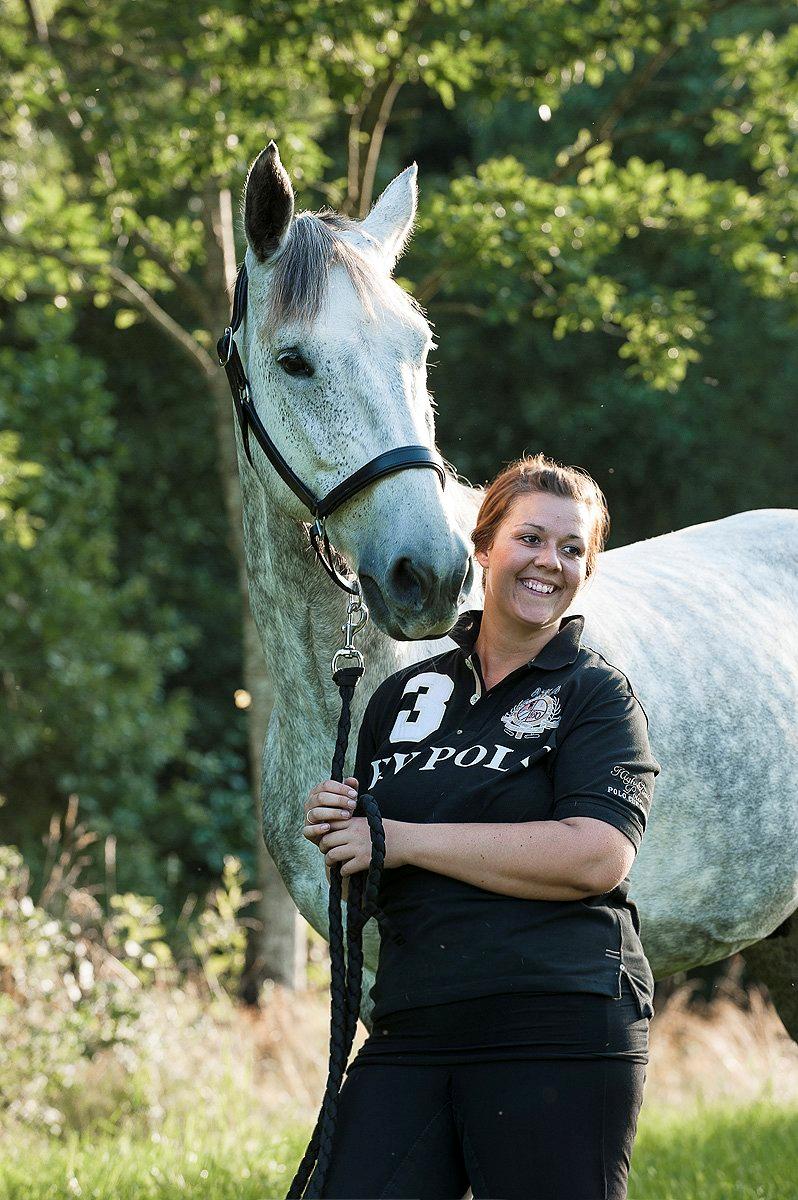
x,y
58,1004
219,941
16,525
83,708
516,243
80,988
136,936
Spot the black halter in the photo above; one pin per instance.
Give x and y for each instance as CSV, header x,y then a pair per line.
x,y
383,464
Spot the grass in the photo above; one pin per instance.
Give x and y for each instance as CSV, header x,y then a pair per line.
x,y
717,1153
224,1101
711,1153
195,1161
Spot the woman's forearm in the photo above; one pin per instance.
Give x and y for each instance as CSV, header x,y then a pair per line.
x,y
536,860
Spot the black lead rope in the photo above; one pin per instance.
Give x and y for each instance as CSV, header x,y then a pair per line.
x,y
346,970
346,980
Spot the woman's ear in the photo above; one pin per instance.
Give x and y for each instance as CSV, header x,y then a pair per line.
x,y
482,557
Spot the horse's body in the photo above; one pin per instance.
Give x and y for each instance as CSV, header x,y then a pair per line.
x,y
704,620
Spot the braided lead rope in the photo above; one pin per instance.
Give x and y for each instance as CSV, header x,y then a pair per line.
x,y
346,974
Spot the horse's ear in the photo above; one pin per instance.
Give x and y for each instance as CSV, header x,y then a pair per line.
x,y
268,203
391,219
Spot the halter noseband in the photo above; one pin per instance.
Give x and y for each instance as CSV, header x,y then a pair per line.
x,y
248,419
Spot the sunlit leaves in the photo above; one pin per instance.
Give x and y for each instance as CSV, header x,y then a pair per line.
x,y
520,243
17,526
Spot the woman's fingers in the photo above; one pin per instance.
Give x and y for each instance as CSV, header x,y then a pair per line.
x,y
315,829
324,812
332,792
330,800
329,805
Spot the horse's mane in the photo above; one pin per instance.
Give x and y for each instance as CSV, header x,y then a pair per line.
x,y
301,272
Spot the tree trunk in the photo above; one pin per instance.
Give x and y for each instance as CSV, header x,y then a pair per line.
x,y
276,947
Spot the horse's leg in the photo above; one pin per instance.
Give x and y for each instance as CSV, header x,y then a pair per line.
x,y
775,961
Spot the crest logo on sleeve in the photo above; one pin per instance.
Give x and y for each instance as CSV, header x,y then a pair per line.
x,y
533,716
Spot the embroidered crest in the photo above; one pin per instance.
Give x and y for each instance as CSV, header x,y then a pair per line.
x,y
532,717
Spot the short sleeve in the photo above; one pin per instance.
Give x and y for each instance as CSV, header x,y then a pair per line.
x,y
604,767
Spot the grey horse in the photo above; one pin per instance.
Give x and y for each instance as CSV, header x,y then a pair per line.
x,y
704,620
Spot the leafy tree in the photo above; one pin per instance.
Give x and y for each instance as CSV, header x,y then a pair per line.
x,y
719,439
83,704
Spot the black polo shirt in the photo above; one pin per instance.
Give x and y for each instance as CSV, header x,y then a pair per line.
x,y
563,735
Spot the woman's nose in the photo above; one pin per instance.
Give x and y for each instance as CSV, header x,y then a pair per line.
x,y
547,557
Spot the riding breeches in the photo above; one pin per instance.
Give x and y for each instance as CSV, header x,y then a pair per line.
x,y
546,1129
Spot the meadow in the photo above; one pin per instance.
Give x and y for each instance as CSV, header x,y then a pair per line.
x,y
221,1102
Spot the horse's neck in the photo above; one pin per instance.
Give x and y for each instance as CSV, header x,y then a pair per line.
x,y
299,612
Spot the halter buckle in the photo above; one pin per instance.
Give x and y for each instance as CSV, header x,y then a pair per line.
x,y
226,340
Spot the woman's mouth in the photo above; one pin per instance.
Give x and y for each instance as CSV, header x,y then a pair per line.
x,y
537,587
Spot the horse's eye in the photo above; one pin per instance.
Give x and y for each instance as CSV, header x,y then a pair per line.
x,y
294,364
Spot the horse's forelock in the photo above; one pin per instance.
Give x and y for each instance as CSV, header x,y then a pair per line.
x,y
301,273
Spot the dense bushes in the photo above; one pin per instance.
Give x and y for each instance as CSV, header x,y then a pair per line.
x,y
83,987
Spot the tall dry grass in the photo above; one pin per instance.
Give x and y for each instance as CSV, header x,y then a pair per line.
x,y
733,1049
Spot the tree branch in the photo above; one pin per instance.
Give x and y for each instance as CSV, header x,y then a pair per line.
x,y
612,114
394,70
375,143
183,282
131,291
353,151
148,307
36,21
679,121
632,90
429,285
462,307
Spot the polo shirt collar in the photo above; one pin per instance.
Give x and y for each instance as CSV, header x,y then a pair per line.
x,y
561,651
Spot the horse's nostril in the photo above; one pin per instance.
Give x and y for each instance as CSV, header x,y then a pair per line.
x,y
412,582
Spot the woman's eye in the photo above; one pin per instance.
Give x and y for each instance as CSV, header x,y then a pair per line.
x,y
294,364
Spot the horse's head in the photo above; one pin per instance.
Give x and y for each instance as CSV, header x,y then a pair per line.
x,y
336,353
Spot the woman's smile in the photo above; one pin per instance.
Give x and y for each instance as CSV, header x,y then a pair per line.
x,y
538,586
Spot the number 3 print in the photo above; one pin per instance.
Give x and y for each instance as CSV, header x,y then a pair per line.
x,y
431,692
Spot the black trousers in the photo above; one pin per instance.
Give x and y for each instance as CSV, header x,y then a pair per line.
x,y
543,1129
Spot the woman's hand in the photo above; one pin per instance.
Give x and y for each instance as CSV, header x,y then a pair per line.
x,y
342,838
327,802
329,806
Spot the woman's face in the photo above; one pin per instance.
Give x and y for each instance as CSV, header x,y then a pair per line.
x,y
537,562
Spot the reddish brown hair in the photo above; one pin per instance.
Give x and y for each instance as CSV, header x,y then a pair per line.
x,y
537,473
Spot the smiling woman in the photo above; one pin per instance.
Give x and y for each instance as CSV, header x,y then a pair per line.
x,y
514,778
